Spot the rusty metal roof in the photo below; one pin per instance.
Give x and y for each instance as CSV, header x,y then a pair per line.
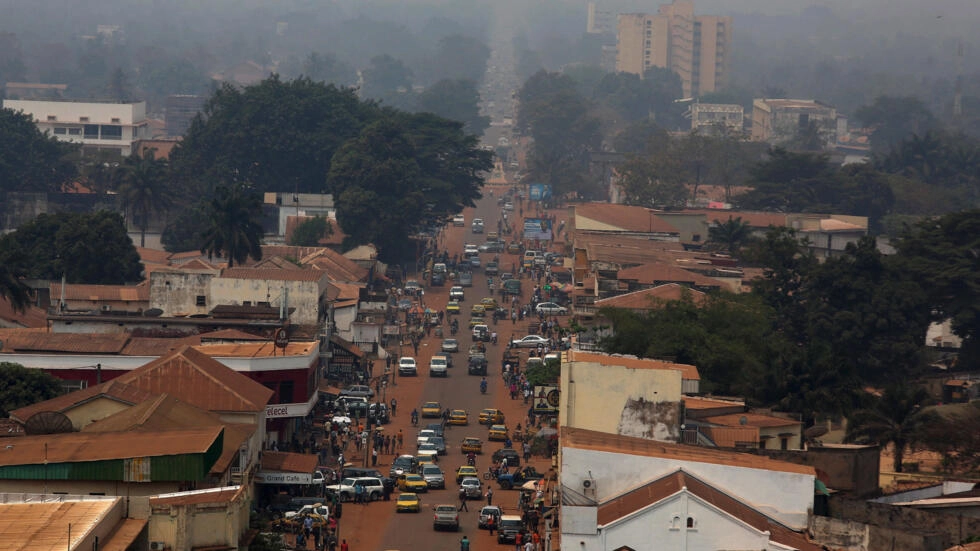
x,y
656,273
657,490
751,419
199,380
113,390
78,447
230,335
289,462
97,293
29,525
621,218
75,343
197,497
156,346
688,372
255,349
653,298
614,443
32,316
337,266
124,535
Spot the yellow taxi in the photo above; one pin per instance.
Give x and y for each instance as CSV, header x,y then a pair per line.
x,y
497,433
429,457
452,307
459,417
478,310
432,409
471,445
409,482
466,471
477,320
489,303
408,502
491,416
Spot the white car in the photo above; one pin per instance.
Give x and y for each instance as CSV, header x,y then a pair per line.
x,y
530,341
472,487
459,221
438,367
406,366
550,309
456,293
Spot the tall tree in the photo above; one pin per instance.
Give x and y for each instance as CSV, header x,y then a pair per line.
x,y
328,69
234,231
29,160
144,190
309,232
653,181
389,81
12,289
894,118
731,234
897,418
21,386
457,100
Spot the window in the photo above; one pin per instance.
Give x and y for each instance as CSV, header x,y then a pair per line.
x,y
74,131
111,132
114,120
675,523
696,237
52,118
783,443
202,300
690,523
60,131
82,119
91,131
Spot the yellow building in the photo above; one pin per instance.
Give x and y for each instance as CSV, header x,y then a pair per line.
x,y
696,47
624,395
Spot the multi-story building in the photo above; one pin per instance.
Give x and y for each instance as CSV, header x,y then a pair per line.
x,y
781,121
98,125
180,112
715,118
697,48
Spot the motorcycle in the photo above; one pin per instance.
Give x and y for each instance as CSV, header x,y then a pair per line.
x,y
471,460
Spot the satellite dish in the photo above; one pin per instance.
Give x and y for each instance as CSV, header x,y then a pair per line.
x,y
153,313
48,422
816,431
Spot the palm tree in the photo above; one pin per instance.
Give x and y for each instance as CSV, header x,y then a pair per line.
x,y
733,234
143,189
234,230
897,418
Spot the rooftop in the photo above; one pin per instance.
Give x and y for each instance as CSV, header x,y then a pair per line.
x,y
702,402
658,274
689,372
678,481
113,390
198,497
758,220
289,462
116,293
621,218
613,443
80,447
273,274
28,525
751,419
653,298
31,317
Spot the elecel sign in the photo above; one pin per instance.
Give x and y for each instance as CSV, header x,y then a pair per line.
x,y
272,412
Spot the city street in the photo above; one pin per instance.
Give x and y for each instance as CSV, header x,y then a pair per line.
x,y
375,526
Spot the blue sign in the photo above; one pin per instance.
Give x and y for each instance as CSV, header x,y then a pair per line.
x,y
540,191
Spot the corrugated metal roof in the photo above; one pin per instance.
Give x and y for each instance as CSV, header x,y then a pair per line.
x,y
254,349
199,380
289,462
338,267
653,298
153,346
702,402
732,437
114,293
76,447
230,335
657,273
751,419
226,494
153,256
614,443
32,316
76,343
689,372
621,218
124,535
30,525
113,390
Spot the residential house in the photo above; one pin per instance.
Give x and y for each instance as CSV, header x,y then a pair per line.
x,y
621,492
647,276
624,395
74,297
711,119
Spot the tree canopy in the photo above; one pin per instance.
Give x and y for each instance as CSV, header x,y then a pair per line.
x,y
20,387
457,100
233,230
29,160
85,248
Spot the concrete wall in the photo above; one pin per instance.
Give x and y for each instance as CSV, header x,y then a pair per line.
x,y
304,296
89,412
847,469
644,403
786,497
688,224
901,528
88,487
187,527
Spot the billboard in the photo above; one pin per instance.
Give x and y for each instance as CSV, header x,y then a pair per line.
x,y
539,192
537,228
546,399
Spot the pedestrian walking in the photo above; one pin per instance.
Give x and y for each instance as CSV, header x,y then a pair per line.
x,y
394,406
462,501
517,541
464,544
374,457
489,496
344,546
527,452
536,539
401,438
528,545
492,523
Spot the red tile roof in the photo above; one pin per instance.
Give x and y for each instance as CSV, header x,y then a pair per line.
x,y
339,267
289,462
230,335
621,218
660,489
113,390
758,220
273,274
659,274
77,343
653,298
199,380
153,256
32,316
689,372
614,443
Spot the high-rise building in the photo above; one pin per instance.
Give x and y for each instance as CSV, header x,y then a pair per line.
x,y
696,47
110,126
180,112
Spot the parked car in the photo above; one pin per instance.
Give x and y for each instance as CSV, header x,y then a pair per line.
x,y
359,391
373,488
550,309
530,341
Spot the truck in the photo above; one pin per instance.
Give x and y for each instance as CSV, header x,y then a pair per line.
x,y
477,364
517,478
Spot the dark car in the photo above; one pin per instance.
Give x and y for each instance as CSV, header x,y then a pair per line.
x,y
513,458
438,280
477,364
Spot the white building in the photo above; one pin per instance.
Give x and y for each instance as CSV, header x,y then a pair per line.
x,y
713,118
98,126
619,492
